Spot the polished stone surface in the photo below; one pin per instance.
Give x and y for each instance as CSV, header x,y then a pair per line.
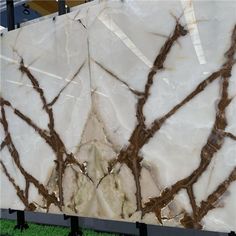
x,y
123,110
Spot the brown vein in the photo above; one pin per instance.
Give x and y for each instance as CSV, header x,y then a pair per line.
x,y
214,142
157,124
209,204
229,135
158,64
19,192
39,90
52,138
16,158
192,199
3,144
130,155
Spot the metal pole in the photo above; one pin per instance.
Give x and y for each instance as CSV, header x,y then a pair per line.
x,y
61,7
10,15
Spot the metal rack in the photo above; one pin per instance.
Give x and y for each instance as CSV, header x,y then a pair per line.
x,y
120,227
10,11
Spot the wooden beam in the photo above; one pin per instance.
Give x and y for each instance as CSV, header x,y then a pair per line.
x,y
46,7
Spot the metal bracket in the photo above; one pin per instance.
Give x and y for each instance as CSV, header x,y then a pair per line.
x,y
232,233
74,226
142,228
21,224
10,15
61,7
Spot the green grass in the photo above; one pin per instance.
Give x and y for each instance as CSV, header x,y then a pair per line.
x,y
7,228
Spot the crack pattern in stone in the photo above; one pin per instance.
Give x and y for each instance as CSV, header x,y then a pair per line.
x,y
90,179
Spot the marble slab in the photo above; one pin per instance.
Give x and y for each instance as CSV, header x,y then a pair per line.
x,y
123,110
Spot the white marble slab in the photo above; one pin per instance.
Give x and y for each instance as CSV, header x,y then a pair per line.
x,y
123,110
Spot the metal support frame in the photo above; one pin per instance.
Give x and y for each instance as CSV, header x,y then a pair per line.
x,y
21,224
10,15
142,229
232,233
61,7
121,227
74,225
